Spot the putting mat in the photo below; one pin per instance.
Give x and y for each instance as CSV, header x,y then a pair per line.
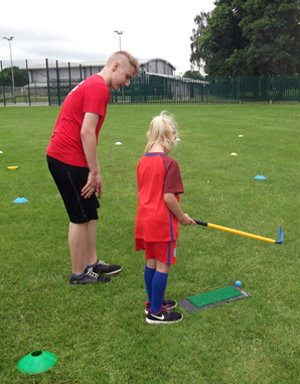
x,y
213,298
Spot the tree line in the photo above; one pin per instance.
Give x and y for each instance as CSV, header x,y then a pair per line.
x,y
247,37
20,77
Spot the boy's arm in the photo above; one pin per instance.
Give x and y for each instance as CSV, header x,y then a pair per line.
x,y
174,207
88,137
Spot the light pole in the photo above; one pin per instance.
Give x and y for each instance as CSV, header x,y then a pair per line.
x,y
9,39
119,33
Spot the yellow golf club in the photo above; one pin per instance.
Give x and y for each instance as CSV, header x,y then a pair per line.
x,y
203,223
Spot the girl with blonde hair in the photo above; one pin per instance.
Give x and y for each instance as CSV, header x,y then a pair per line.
x,y
159,186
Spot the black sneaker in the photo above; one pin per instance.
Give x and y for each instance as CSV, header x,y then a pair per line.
x,y
169,304
163,317
89,278
106,269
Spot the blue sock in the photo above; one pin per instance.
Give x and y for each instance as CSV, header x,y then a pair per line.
x,y
78,276
92,265
159,284
148,277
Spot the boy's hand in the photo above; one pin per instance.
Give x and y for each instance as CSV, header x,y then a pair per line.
x,y
93,185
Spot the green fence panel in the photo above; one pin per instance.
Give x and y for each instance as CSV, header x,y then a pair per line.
x,y
54,82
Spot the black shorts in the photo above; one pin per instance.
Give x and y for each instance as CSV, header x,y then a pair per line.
x,y
70,180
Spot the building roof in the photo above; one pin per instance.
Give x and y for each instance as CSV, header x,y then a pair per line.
x,y
146,61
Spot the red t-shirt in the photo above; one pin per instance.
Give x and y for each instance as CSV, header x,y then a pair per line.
x,y
157,174
92,95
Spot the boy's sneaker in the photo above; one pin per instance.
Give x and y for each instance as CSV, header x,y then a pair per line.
x,y
106,269
163,317
89,278
169,304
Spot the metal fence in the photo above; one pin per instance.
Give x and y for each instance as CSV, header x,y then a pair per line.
x,y
49,84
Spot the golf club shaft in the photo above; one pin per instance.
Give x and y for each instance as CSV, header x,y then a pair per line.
x,y
241,233
234,231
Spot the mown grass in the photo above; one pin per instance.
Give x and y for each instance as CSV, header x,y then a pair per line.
x,y
99,333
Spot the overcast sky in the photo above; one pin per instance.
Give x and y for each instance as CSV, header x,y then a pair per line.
x,y
83,30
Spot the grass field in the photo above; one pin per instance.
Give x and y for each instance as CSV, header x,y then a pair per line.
x,y
99,333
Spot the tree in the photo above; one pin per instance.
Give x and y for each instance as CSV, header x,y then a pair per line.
x,y
193,75
248,37
20,76
197,54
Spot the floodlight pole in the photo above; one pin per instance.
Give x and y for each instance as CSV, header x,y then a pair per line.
x,y
120,33
9,39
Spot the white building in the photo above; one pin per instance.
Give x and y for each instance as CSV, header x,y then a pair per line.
x,y
75,72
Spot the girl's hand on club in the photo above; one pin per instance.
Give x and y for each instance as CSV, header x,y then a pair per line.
x,y
186,220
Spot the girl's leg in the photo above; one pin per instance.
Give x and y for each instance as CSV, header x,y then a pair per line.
x,y
162,267
159,284
148,277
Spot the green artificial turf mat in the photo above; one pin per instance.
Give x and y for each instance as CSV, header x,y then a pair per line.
x,y
214,296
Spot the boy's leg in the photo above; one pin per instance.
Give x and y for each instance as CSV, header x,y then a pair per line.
x,y
77,246
91,253
92,261
78,235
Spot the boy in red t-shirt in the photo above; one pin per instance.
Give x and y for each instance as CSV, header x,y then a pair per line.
x,y
158,214
73,163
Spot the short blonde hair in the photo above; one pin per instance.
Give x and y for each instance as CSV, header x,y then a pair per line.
x,y
124,57
163,130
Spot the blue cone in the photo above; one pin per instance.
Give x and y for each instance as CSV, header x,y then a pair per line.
x,y
260,177
21,200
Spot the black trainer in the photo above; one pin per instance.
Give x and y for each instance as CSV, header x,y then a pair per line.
x,y
163,317
106,269
169,304
89,278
